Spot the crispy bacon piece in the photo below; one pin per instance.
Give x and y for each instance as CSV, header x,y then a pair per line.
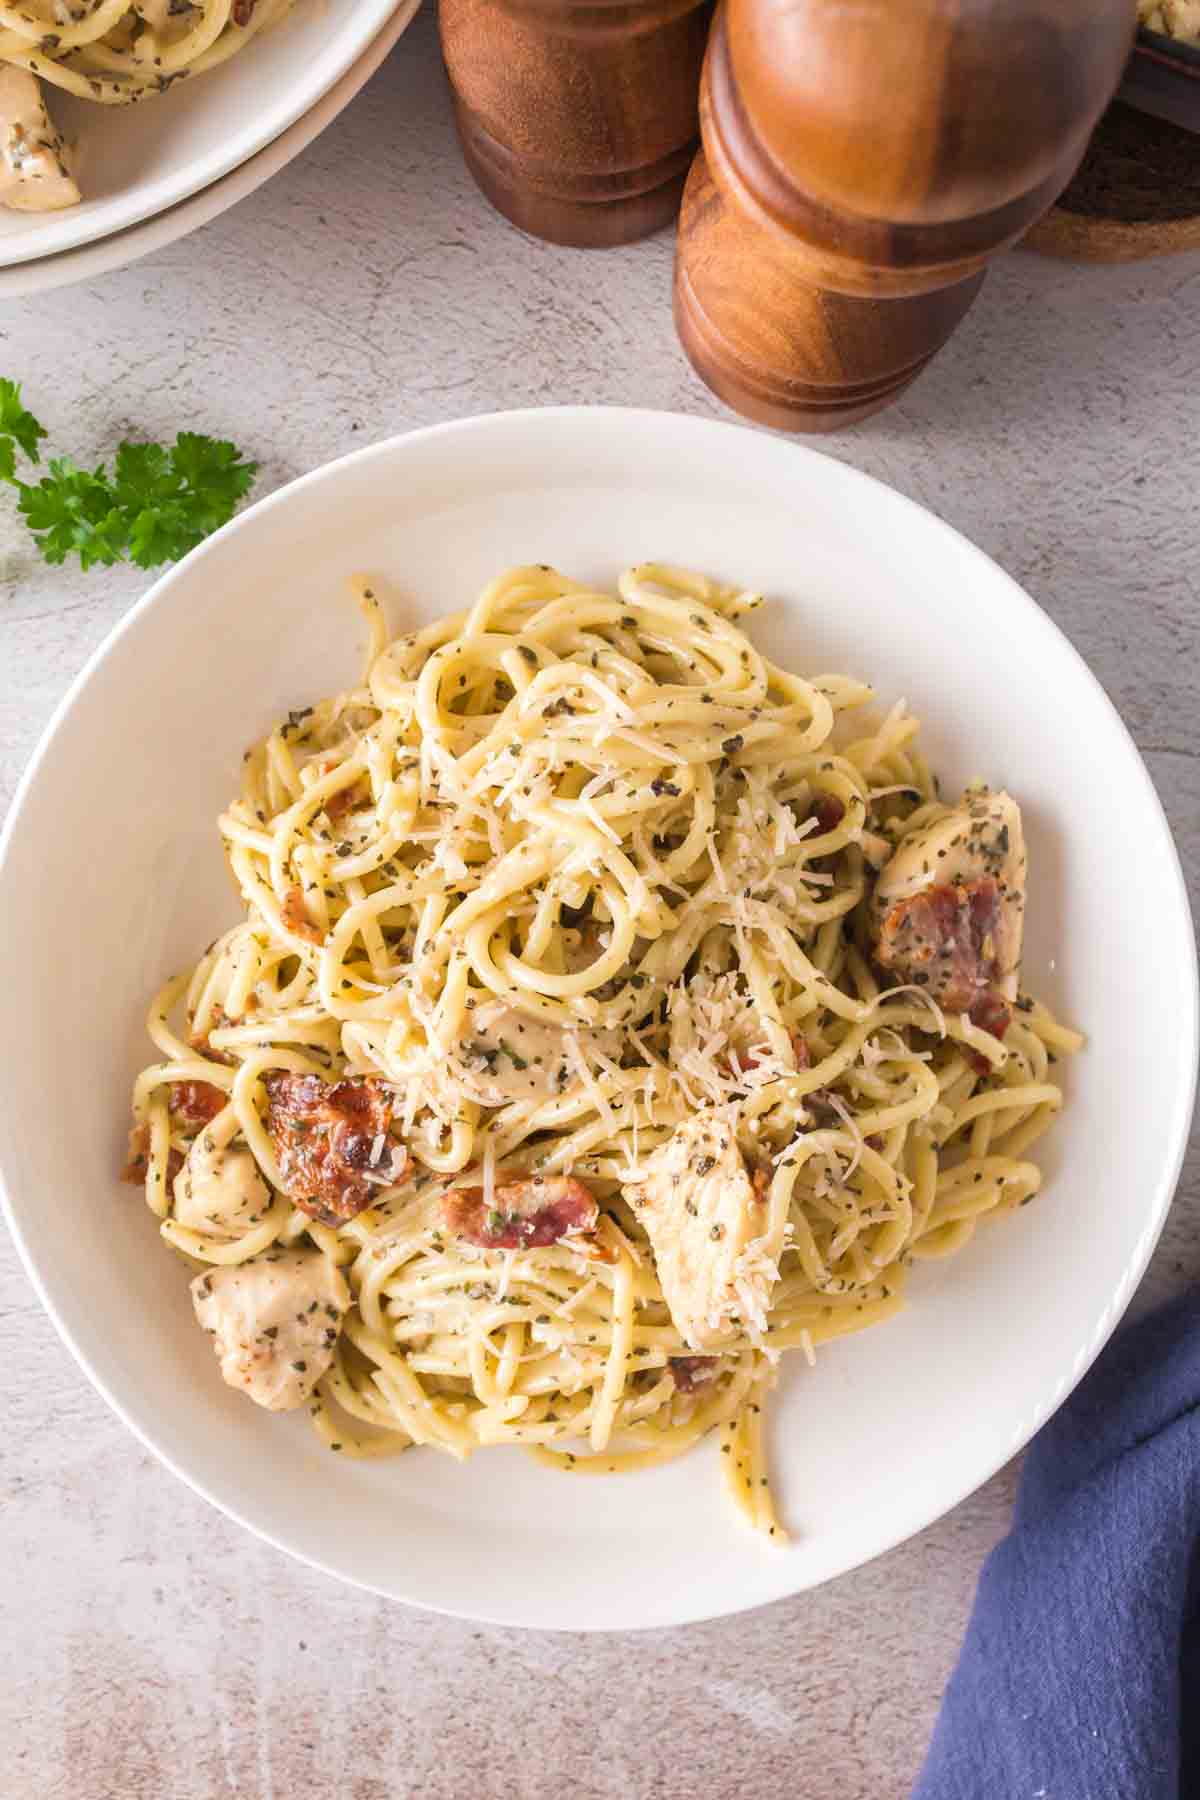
x,y
196,1102
326,1143
525,1214
138,1156
295,917
343,802
201,1040
822,1110
750,1059
945,940
346,799
828,812
692,1372
990,1013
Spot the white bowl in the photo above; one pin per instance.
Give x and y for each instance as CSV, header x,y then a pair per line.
x,y
111,877
40,274
139,160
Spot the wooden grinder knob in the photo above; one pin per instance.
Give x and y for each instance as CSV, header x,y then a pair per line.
x,y
861,164
578,118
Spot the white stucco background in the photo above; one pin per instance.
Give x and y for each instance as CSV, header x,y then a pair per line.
x,y
152,1651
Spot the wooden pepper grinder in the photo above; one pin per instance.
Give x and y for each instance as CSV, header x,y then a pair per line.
x,y
578,118
862,163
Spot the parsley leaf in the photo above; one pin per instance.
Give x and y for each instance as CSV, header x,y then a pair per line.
x,y
175,498
73,510
159,503
16,425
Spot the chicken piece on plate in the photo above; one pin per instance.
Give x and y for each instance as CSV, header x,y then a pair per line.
x,y
523,1215
218,1190
332,1143
511,1055
36,173
706,1220
274,1323
949,905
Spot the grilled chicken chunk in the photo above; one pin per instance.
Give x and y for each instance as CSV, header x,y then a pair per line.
x,y
35,161
949,904
705,1219
274,1323
523,1214
219,1191
510,1055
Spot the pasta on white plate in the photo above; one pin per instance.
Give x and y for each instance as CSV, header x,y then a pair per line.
x,y
613,1012
113,52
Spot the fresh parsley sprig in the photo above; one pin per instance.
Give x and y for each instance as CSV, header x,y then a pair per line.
x,y
159,502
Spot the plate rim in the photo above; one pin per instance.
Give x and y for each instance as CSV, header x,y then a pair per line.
x,y
1188,1062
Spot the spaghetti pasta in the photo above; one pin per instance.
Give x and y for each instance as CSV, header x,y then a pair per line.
x,y
569,1022
117,52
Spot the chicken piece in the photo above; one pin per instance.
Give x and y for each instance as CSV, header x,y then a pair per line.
x,y
524,1215
332,1143
706,1220
511,1055
949,905
36,163
219,1191
274,1323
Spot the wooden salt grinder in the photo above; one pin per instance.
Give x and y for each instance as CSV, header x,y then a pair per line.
x,y
861,166
578,118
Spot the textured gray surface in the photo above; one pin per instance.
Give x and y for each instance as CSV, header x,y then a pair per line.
x,y
155,1650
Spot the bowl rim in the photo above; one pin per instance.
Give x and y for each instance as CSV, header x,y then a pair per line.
x,y
76,228
1187,1061
120,248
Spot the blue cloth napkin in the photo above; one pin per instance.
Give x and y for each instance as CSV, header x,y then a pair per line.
x,y
1079,1678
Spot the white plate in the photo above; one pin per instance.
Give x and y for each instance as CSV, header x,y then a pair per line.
x,y
111,877
116,252
139,160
